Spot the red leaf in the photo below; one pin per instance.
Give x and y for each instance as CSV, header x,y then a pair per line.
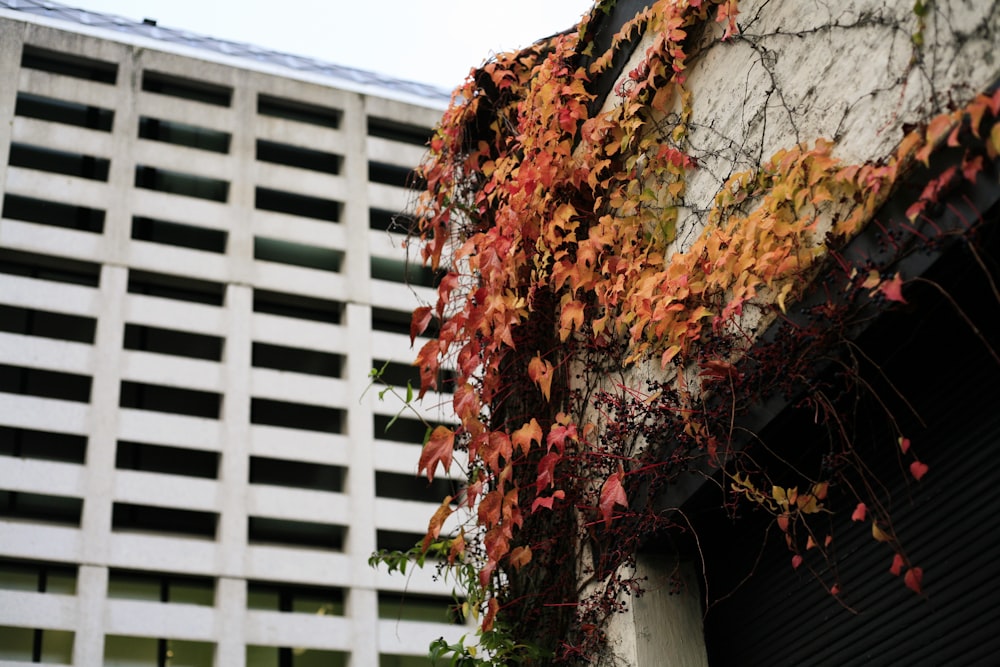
x,y
466,402
918,470
546,470
434,527
914,577
418,324
489,508
783,523
904,444
437,449
835,589
547,502
897,565
457,547
428,363
612,494
492,606
796,561
859,512
893,289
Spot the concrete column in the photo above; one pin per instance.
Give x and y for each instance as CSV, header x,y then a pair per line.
x,y
91,589
230,605
668,616
11,41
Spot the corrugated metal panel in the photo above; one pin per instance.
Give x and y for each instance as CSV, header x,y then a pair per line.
x,y
949,523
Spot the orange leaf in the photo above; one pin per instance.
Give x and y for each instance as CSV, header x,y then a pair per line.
x,y
439,448
524,436
520,557
859,512
612,493
918,470
547,502
783,523
489,508
491,609
914,577
457,547
466,402
897,565
434,527
810,543
540,372
571,318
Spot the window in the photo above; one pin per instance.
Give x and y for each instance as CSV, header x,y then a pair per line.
x,y
401,429
296,415
188,89
297,254
302,112
412,487
296,474
296,156
44,384
45,445
142,651
285,532
68,64
403,271
156,587
174,400
303,206
179,234
394,130
410,607
182,134
129,517
297,360
36,645
37,577
46,324
387,221
390,174
59,162
175,287
55,214
167,460
44,267
62,111
291,598
394,540
299,307
168,341
176,183
38,507
275,656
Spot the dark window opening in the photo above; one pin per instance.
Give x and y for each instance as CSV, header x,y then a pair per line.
x,y
168,341
387,221
44,384
182,134
38,507
289,598
175,287
59,162
299,307
402,375
34,645
37,576
296,474
191,402
297,254
167,460
62,111
126,516
402,271
398,322
68,64
45,445
410,607
297,360
176,183
29,209
303,206
45,267
394,540
268,412
296,533
411,487
284,656
156,587
45,324
188,89
400,429
179,234
153,652
296,156
302,112
383,128
390,174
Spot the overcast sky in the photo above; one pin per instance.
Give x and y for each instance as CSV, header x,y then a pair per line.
x,y
431,41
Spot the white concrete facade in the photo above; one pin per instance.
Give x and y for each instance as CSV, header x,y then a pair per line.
x,y
195,281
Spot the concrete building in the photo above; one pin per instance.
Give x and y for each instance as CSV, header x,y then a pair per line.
x,y
198,270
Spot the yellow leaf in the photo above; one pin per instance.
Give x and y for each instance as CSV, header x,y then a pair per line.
x,y
879,534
